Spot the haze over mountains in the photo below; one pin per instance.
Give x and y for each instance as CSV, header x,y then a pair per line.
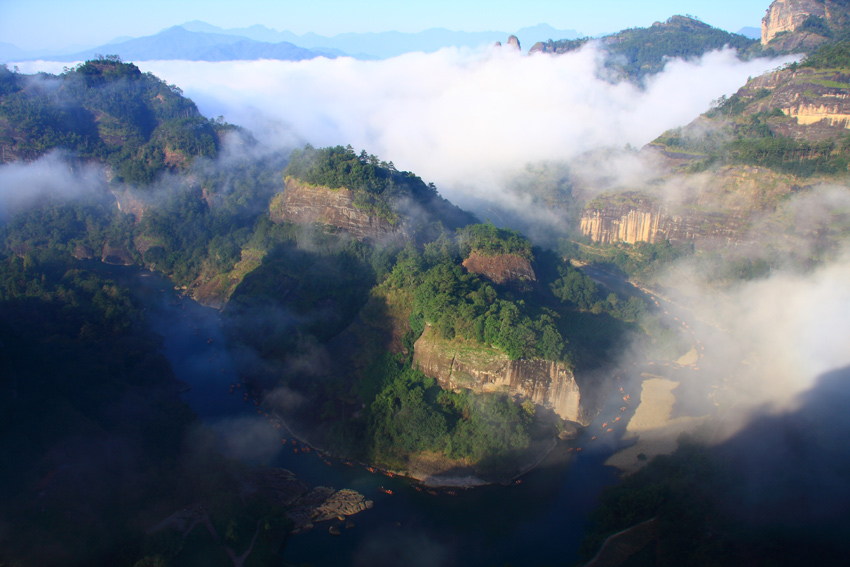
x,y
200,41
363,312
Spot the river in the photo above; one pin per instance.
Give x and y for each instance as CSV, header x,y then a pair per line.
x,y
538,522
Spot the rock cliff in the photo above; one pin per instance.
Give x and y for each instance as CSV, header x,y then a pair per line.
x,y
627,223
501,269
788,15
817,102
482,369
302,203
718,209
787,27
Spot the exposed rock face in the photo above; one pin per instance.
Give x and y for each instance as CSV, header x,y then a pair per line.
x,y
117,255
323,504
513,41
642,219
501,269
788,15
548,384
302,203
817,101
130,203
631,223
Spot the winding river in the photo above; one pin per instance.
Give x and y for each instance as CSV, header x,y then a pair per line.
x,y
538,522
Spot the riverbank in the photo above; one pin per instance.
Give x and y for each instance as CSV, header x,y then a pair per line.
x,y
652,426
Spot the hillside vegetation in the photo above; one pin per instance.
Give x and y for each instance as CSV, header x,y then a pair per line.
x,y
105,110
638,52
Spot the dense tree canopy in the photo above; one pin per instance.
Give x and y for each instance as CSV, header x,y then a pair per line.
x,y
107,110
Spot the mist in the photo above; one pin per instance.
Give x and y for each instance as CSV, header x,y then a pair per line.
x,y
463,119
23,184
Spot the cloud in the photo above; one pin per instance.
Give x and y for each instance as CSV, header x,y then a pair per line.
x,y
23,183
470,121
461,118
798,326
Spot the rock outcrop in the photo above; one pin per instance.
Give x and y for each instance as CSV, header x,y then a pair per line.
x,y
713,211
513,41
302,203
783,29
484,369
632,224
788,15
324,504
501,269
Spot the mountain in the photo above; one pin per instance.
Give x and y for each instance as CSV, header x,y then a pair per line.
x,y
104,110
778,140
391,43
800,26
9,52
637,52
179,43
750,32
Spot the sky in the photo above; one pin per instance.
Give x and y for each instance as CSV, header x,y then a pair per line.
x,y
57,24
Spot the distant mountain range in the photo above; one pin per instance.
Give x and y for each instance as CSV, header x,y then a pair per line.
x,y
199,41
750,32
391,43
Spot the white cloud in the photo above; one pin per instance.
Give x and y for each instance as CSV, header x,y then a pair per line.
x,y
460,118
22,183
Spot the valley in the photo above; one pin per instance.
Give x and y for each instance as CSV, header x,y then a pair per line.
x,y
222,346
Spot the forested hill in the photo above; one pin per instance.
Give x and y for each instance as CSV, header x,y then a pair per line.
x,y
793,120
638,52
377,186
105,110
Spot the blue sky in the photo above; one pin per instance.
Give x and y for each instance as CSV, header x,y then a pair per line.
x,y
39,24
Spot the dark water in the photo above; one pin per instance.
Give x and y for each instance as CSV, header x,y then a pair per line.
x,y
538,522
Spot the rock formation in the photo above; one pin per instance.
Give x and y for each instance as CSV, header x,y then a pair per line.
x,y
501,269
788,15
323,504
642,219
513,41
485,369
782,26
302,203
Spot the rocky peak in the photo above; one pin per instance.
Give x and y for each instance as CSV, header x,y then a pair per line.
x,y
789,15
513,41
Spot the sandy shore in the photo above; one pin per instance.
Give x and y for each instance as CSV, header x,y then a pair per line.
x,y
656,433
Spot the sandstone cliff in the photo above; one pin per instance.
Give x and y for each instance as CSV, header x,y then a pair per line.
x,y
482,369
501,269
788,15
302,203
816,102
717,210
784,27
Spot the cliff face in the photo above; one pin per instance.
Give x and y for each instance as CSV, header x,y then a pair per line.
x,y
636,221
788,15
301,203
816,102
717,211
626,224
501,269
482,369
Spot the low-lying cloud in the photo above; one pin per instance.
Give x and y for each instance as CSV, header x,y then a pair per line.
x,y
22,184
460,118
468,120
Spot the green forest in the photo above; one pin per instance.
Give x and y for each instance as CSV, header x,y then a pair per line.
x,y
107,110
639,52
